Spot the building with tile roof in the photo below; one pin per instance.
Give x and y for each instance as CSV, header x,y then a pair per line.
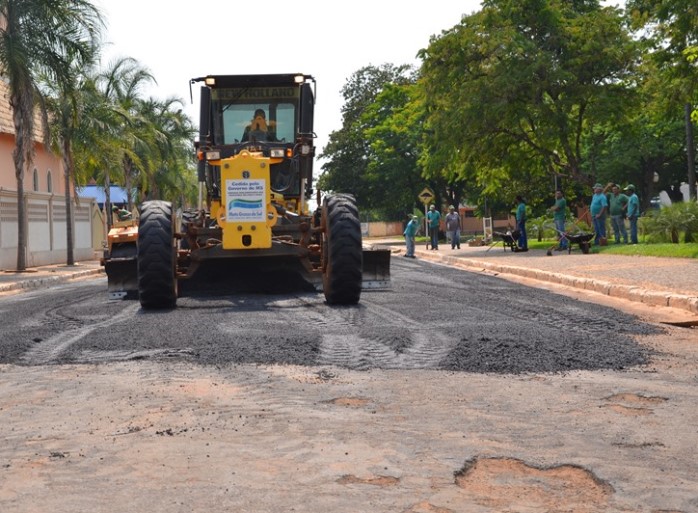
x,y
44,199
46,171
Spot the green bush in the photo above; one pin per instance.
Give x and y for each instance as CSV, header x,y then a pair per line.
x,y
667,223
541,227
576,226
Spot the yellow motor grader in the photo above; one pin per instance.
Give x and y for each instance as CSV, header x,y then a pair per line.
x,y
255,168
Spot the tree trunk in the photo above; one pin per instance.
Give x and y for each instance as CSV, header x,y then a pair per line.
x,y
22,113
67,173
128,170
107,200
19,161
646,190
21,227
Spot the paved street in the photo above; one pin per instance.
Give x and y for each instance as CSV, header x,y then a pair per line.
x,y
650,280
257,403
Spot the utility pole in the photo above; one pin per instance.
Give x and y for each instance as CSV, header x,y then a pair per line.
x,y
690,154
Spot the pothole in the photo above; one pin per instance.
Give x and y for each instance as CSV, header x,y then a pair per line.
x,y
381,481
354,402
635,405
506,483
628,411
635,399
426,507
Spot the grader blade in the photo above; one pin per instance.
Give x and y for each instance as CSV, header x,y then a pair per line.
x,y
376,269
121,269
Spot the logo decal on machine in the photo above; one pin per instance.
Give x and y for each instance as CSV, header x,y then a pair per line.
x,y
245,200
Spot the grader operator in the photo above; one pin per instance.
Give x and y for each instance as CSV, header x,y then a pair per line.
x,y
255,168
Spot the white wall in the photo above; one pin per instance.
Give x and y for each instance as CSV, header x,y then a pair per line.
x,y
46,229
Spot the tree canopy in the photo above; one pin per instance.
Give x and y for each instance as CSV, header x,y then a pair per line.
x,y
522,96
352,150
512,90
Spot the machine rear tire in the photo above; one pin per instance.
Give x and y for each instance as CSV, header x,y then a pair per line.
x,y
157,283
342,254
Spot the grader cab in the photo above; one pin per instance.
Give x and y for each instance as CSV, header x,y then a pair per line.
x,y
255,168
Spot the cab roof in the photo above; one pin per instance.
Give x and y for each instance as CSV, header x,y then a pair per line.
x,y
284,79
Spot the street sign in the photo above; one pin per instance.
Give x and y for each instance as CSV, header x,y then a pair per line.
x,y
426,196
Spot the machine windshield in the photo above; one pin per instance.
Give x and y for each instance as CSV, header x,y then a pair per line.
x,y
255,114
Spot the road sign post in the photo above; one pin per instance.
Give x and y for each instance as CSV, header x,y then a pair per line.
x,y
426,197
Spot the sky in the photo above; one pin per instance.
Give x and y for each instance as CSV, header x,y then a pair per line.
x,y
180,40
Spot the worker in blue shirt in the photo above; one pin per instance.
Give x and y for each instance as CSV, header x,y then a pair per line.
x,y
633,211
434,219
522,243
598,209
410,233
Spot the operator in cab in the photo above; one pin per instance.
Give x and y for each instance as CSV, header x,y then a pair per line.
x,y
259,129
121,213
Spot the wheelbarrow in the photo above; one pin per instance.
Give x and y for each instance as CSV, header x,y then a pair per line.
x,y
508,239
581,238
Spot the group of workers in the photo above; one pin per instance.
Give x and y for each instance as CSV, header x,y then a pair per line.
x,y
617,205
453,229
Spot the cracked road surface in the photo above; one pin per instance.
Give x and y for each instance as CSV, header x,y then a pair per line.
x,y
453,392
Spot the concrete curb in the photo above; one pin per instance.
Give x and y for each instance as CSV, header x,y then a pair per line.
x,y
44,281
628,292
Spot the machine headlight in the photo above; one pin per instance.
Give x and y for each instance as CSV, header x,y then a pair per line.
x,y
305,149
277,152
213,155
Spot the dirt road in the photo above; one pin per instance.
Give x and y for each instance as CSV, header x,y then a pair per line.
x,y
161,436
146,436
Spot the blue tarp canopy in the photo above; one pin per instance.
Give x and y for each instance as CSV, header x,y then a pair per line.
x,y
117,194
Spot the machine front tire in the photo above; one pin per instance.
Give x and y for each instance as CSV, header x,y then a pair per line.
x,y
157,283
342,253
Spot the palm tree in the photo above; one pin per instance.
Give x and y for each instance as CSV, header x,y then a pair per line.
x,y
154,138
171,169
97,138
40,37
121,85
67,108
144,143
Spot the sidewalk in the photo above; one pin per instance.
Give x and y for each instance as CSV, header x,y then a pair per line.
x,y
654,281
44,276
